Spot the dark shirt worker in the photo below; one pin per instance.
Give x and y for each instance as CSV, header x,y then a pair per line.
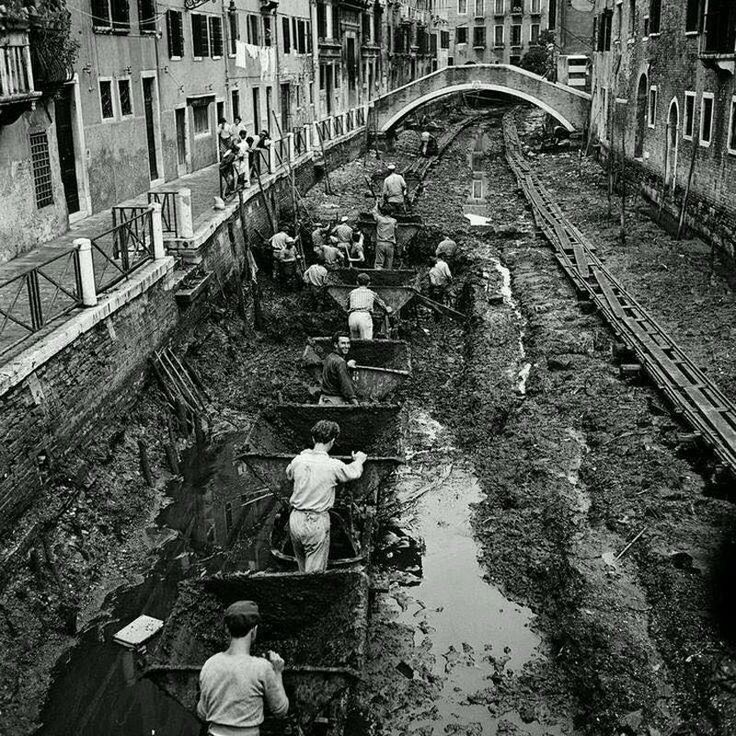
x,y
337,386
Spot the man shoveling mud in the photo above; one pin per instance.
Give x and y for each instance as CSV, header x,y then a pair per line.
x,y
337,386
315,475
234,684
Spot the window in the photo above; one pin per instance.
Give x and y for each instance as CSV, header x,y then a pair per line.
x,y
321,21
236,104
233,32
111,14
311,93
605,22
41,169
632,18
266,31
126,101
536,9
534,32
688,124
552,15
106,101
516,34
254,35
732,128
517,6
286,35
706,119
338,78
719,27
201,119
498,35
302,36
477,191
479,8
646,26
308,33
175,32
461,35
322,76
515,60
444,39
147,16
692,16
655,11
215,37
479,36
498,7
652,109
462,7
200,36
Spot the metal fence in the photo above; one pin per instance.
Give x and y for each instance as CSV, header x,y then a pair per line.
x,y
32,299
169,216
126,246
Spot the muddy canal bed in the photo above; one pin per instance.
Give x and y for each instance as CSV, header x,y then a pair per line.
x,y
507,598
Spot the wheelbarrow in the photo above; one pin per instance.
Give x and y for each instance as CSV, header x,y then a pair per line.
x,y
316,622
395,297
382,365
281,432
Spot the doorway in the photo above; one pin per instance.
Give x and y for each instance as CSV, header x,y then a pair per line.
x,y
67,154
181,141
148,108
641,116
285,108
256,109
352,71
328,88
236,104
673,123
269,107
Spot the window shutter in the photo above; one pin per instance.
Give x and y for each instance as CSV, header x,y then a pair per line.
x,y
286,32
170,32
100,13
147,15
179,26
215,36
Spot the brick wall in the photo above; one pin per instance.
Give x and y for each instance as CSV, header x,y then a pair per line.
x,y
97,378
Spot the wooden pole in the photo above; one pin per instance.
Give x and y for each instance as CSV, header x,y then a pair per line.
x,y
691,171
328,187
623,184
666,164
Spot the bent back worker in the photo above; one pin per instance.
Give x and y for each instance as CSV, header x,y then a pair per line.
x,y
361,301
355,252
439,279
428,146
234,685
337,386
315,277
447,248
385,236
343,234
333,257
315,475
394,188
278,242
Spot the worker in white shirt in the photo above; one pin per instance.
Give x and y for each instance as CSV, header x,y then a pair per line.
x,y
360,309
394,189
278,242
224,136
440,279
315,476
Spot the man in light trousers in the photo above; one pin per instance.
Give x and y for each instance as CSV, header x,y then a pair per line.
x,y
315,475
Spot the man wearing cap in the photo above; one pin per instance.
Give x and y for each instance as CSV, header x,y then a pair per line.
x,y
315,475
428,146
394,188
234,684
447,248
360,309
278,243
385,236
315,277
440,279
337,386
319,237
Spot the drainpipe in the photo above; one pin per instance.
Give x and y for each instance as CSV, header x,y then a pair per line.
x,y
275,44
317,114
226,51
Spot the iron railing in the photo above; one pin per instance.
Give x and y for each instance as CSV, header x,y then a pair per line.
x,y
124,248
37,296
169,217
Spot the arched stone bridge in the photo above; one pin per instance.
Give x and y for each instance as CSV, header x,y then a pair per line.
x,y
570,107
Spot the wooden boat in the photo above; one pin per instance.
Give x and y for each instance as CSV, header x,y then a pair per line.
x,y
382,365
281,432
316,622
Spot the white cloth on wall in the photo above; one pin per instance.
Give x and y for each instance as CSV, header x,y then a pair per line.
x,y
252,50
240,53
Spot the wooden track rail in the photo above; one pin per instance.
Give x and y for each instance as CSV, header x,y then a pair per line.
x,y
692,394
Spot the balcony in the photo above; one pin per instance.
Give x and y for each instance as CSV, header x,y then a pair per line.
x,y
17,91
268,6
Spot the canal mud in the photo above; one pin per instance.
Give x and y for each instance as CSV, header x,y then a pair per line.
x,y
546,563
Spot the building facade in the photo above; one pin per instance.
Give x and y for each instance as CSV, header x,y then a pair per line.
x,y
664,94
141,104
495,31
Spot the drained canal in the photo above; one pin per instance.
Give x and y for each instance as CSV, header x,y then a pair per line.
x,y
448,649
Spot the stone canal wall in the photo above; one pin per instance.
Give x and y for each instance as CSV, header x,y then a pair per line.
x,y
62,390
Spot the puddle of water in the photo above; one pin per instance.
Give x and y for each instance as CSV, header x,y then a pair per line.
x,y
465,622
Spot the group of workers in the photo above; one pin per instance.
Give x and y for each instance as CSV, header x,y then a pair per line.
x,y
234,684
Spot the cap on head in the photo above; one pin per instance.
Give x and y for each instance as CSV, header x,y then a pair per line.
x,y
364,279
241,617
391,167
344,218
425,136
290,240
